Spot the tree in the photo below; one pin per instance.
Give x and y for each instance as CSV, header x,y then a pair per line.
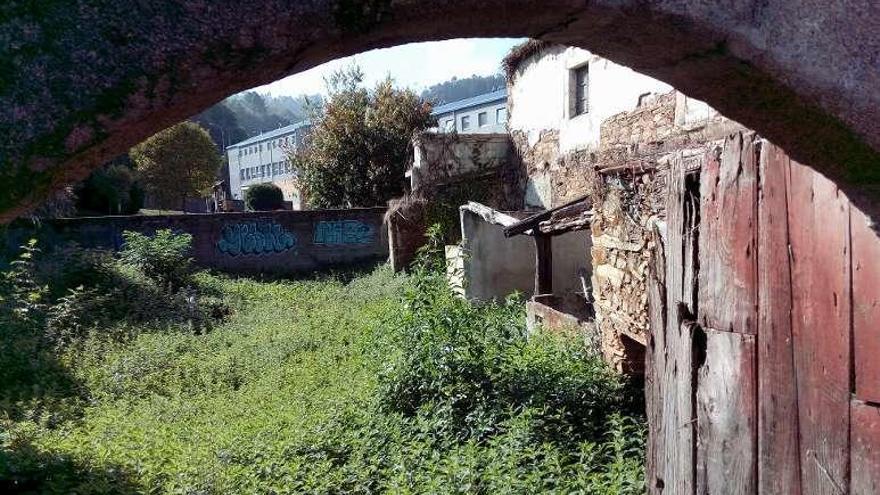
x,y
113,189
264,197
177,163
360,143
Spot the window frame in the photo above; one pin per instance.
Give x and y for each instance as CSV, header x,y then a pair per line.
x,y
579,92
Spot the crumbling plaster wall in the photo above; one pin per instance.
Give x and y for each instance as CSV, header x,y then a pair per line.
x,y
540,97
616,155
556,149
448,170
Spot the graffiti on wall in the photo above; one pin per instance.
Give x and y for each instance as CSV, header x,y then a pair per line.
x,y
262,237
343,232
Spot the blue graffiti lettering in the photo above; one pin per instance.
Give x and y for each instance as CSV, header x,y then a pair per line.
x,y
255,238
343,232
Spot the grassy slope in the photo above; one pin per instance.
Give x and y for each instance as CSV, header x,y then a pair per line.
x,y
277,400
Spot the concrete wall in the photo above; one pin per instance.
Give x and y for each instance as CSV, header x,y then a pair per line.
x,y
278,242
495,266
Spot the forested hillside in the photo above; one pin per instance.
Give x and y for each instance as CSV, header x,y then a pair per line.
x,y
458,89
248,114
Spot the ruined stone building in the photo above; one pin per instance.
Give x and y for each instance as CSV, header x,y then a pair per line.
x,y
588,141
584,126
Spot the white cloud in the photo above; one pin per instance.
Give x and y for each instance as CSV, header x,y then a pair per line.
x,y
416,65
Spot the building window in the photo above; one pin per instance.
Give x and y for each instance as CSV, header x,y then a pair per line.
x,y
466,122
449,125
501,115
581,93
482,119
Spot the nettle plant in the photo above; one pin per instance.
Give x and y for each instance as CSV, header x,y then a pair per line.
x,y
22,297
164,257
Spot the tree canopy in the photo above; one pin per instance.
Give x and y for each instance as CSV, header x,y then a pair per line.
x,y
177,163
111,190
360,143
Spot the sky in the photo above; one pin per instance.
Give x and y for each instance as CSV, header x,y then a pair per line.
x,y
416,65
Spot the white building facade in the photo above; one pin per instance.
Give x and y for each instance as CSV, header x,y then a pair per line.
x,y
481,114
263,159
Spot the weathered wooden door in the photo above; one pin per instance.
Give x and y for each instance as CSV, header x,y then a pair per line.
x,y
764,353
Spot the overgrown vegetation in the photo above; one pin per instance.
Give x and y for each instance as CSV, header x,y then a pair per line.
x,y
377,383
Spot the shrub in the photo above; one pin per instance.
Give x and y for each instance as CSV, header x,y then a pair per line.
x,y
477,367
264,197
163,257
22,297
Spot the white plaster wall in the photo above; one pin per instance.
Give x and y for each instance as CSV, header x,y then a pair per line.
x,y
540,95
234,172
691,113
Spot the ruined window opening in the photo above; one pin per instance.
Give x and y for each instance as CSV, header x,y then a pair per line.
x,y
466,122
581,91
482,119
501,116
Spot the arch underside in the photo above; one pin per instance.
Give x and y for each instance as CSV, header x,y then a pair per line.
x,y
81,84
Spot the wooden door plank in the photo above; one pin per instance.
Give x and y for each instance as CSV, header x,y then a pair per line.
x,y
866,306
655,362
678,409
726,415
865,448
728,214
778,459
818,219
677,440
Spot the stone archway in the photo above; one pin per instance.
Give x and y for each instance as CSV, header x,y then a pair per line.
x,y
83,81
